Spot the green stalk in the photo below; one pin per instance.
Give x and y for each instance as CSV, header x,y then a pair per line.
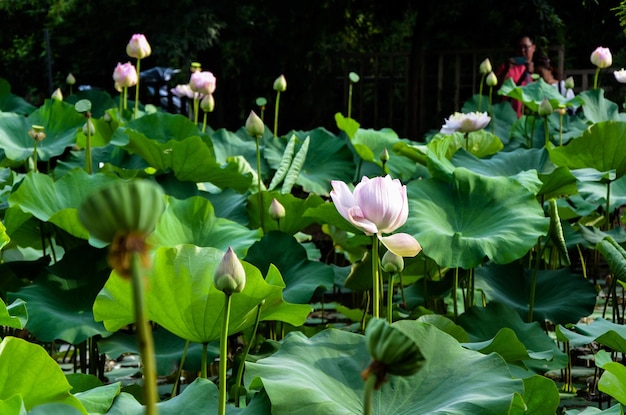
x,y
35,157
467,141
560,130
493,124
204,123
368,396
350,100
390,299
402,289
224,356
180,370
480,91
258,181
595,78
144,337
455,286
196,105
375,279
276,114
533,283
608,204
546,131
137,89
88,161
247,352
204,362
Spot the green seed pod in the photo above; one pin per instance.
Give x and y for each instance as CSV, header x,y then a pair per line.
x,y
392,348
122,208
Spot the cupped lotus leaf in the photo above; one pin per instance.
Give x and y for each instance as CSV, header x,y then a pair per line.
x,y
11,103
484,323
58,202
324,373
302,276
38,378
541,396
599,330
193,221
61,309
597,108
183,299
190,158
506,344
294,220
510,284
14,315
460,222
534,93
613,381
595,191
601,147
375,142
615,257
229,204
348,125
479,143
228,144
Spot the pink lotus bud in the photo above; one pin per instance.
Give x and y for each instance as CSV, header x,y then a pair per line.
x,y
280,84
254,125
202,82
276,210
182,90
125,75
230,276
601,57
138,47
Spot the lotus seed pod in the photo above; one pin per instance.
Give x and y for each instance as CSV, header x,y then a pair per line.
x,y
229,276
122,208
254,125
392,348
276,210
392,262
280,84
36,133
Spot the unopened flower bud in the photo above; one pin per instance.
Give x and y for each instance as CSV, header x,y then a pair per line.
x,y
492,79
254,125
392,262
70,80
276,210
138,47
207,103
384,155
280,84
36,133
229,276
57,95
601,57
545,108
89,128
569,83
485,67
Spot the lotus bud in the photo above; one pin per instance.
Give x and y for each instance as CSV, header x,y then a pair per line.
x,y
492,79
57,95
36,133
384,155
229,276
70,80
601,57
280,84
569,82
138,47
254,125
545,108
89,128
207,103
485,67
276,210
392,262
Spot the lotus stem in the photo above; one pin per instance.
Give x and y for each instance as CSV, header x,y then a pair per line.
x,y
480,91
88,161
137,89
204,122
595,78
402,289
608,207
180,370
375,279
144,334
455,287
533,282
493,125
204,361
196,106
247,352
368,396
350,100
546,131
258,181
467,141
390,299
224,356
35,157
276,114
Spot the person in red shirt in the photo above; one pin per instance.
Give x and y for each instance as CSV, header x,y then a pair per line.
x,y
519,68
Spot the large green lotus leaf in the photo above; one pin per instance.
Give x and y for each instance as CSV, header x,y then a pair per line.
x,y
294,220
506,344
534,93
326,213
541,396
459,223
376,141
597,108
595,191
26,369
14,406
601,147
11,103
14,315
556,181
58,202
183,299
302,276
190,158
323,372
510,284
613,381
193,221
60,121
480,143
228,144
484,323
61,309
616,409
168,350
99,399
328,158
229,204
599,330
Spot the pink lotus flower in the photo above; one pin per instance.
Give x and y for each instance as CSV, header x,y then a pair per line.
x,y
125,75
202,82
182,90
465,123
601,57
620,76
377,206
138,47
